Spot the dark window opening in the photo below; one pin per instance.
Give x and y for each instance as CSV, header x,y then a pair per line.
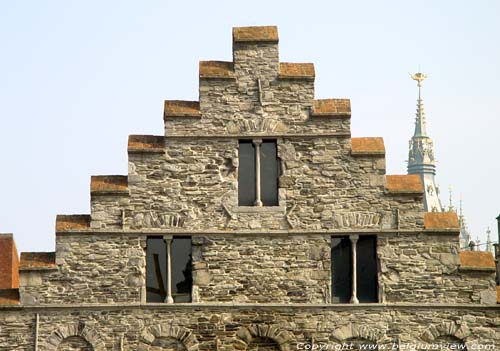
x,y
341,270
367,280
366,269
246,173
156,269
269,172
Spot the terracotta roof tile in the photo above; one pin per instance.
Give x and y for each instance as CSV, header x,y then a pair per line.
x,y
72,222
146,143
441,220
108,184
296,71
408,183
477,260
9,297
216,69
37,260
181,108
255,34
331,107
368,146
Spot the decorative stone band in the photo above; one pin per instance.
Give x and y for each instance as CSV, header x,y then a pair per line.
x,y
367,147
216,70
265,34
9,296
72,222
441,221
296,71
479,261
146,144
181,108
404,184
31,261
331,108
109,184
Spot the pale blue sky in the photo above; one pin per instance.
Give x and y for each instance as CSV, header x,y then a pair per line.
x,y
77,77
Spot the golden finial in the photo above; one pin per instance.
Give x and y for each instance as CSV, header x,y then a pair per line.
x,y
419,77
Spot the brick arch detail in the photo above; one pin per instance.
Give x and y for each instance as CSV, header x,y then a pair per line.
x,y
283,338
460,331
75,329
168,330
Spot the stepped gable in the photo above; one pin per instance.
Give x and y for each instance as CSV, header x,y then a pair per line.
x,y
401,184
105,184
37,260
255,218
72,222
441,220
368,146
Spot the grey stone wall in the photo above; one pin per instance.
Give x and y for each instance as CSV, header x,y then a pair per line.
x,y
233,328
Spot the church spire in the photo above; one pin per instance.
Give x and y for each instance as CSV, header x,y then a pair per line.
x,y
421,155
420,123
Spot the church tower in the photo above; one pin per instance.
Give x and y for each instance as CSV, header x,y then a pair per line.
x,y
421,159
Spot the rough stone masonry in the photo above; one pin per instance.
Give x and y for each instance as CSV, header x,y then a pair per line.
x,y
261,276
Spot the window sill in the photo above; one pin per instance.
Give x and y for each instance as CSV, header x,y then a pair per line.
x,y
263,209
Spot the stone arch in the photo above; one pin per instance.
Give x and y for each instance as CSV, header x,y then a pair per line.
x,y
446,329
450,340
164,331
355,331
245,336
74,343
78,329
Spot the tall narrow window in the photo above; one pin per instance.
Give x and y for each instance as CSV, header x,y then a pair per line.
x,y
164,284
367,279
354,280
258,173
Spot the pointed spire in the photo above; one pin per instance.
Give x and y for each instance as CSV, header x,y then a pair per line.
x,y
420,123
451,208
489,247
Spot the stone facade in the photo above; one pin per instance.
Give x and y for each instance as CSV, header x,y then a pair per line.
x,y
262,276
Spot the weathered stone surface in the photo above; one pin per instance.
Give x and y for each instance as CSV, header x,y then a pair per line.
x,y
277,258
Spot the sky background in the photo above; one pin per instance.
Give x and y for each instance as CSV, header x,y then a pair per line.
x,y
76,78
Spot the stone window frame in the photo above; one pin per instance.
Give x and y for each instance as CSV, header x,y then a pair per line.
x,y
258,207
354,298
168,238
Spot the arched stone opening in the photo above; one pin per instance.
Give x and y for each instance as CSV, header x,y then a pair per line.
x,y
262,337
449,342
263,344
75,336
75,343
168,337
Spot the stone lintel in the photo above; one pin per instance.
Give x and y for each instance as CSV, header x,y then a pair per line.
x,y
72,222
216,70
109,185
340,108
404,184
146,143
181,108
368,147
332,134
231,306
441,220
303,71
255,34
